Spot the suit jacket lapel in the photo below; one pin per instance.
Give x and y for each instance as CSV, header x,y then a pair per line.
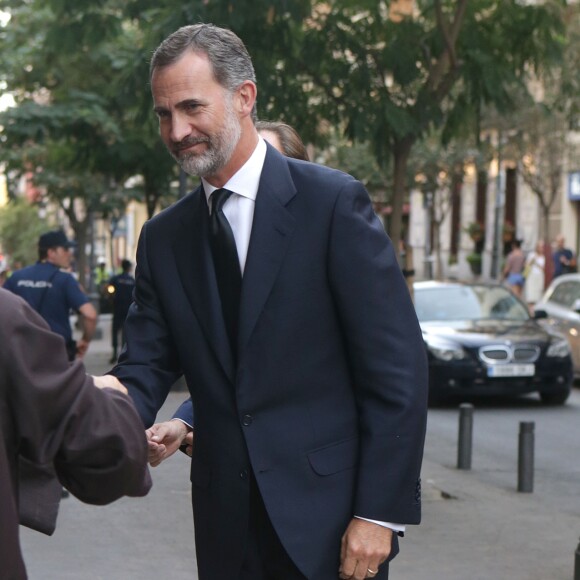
x,y
272,229
195,266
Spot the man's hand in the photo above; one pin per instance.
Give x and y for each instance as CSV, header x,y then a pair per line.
x,y
164,439
365,546
109,382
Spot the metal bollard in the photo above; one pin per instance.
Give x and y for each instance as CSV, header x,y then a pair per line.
x,y
577,563
465,436
526,457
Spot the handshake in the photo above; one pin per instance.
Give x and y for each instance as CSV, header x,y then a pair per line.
x,y
164,439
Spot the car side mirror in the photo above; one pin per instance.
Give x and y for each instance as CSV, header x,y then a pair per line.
x,y
576,306
539,314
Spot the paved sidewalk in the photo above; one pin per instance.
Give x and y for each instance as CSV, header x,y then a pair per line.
x,y
471,530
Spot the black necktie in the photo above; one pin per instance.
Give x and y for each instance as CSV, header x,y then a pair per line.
x,y
226,262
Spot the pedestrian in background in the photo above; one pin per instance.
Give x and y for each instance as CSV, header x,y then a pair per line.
x,y
122,286
514,268
54,293
52,414
564,258
534,275
284,137
275,291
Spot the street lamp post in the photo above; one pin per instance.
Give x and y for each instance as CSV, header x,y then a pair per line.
x,y
498,214
427,261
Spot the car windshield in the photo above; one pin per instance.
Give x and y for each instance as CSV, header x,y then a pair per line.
x,y
468,303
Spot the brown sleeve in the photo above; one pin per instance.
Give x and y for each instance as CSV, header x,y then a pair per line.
x,y
94,437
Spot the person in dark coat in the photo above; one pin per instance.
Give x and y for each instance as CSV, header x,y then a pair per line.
x,y
121,288
51,413
275,291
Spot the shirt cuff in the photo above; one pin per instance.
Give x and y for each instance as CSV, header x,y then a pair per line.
x,y
184,422
400,529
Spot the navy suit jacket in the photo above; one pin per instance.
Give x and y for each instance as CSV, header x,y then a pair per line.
x,y
327,402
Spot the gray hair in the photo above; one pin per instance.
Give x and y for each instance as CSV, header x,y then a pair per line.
x,y
229,58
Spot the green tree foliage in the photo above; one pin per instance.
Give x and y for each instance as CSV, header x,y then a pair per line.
x,y
350,65
20,227
538,134
74,125
389,79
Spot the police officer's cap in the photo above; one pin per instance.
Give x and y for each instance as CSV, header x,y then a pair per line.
x,y
55,239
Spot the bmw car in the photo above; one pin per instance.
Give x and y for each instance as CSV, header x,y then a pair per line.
x,y
481,340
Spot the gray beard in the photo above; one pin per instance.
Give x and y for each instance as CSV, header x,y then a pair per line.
x,y
219,151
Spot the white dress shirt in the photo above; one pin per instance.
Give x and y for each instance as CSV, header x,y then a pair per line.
x,y
239,208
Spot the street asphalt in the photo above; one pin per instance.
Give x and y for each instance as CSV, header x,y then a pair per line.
x,y
471,530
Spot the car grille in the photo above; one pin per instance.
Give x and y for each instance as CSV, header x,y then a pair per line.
x,y
498,354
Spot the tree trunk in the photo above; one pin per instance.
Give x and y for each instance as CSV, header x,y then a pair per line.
x,y
151,199
437,250
401,152
549,260
82,264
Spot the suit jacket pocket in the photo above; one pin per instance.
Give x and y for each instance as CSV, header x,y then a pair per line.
x,y
334,458
200,474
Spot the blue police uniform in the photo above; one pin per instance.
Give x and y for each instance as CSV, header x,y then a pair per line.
x,y
51,292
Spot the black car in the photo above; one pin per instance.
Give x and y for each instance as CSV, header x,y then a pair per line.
x,y
481,340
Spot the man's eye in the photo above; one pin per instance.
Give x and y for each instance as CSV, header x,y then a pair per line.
x,y
162,114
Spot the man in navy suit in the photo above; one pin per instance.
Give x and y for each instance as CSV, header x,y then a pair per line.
x,y
309,417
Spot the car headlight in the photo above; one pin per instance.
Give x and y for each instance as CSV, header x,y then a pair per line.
x,y
444,350
559,347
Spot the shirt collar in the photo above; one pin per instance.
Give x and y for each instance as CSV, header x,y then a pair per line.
x,y
246,180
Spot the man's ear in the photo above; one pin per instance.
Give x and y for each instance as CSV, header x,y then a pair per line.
x,y
245,98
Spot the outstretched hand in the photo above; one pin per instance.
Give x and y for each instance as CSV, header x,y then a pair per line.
x,y
164,439
365,546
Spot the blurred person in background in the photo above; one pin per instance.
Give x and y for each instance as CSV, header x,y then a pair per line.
x,y
54,421
564,258
120,288
534,275
54,293
514,268
284,137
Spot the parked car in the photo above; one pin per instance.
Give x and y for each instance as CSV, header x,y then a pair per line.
x,y
561,303
481,340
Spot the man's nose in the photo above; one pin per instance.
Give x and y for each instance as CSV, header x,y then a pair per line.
x,y
180,128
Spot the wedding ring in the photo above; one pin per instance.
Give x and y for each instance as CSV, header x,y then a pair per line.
x,y
373,572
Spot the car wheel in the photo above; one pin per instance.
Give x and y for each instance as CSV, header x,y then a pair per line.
x,y
555,397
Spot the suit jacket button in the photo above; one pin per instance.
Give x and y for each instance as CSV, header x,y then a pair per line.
x,y
247,420
244,474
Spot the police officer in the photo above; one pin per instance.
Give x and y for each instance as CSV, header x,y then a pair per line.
x,y
53,293
121,288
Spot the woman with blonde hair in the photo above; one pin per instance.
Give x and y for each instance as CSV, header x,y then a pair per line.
x,y
534,274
